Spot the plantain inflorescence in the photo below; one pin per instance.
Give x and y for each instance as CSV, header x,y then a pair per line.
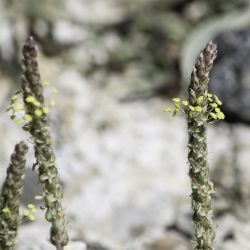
x,y
38,126
200,109
11,196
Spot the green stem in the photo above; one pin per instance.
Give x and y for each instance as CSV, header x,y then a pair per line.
x,y
11,196
38,127
202,187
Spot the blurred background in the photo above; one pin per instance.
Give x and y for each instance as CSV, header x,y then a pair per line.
x,y
122,161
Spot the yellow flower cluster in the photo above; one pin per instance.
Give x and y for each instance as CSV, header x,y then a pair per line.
x,y
6,211
40,110
213,107
17,108
30,212
27,213
212,110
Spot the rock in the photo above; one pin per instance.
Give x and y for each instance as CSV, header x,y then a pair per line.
x,y
34,237
32,187
171,241
77,245
95,246
206,31
232,233
105,166
231,79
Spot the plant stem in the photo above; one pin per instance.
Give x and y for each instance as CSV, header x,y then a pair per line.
x,y
202,187
38,127
11,196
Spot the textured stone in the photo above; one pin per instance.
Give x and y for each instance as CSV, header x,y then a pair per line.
x,y
231,78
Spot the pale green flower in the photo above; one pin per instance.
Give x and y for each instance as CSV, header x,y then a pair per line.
x,y
26,212
18,107
46,84
6,210
38,112
32,217
177,105
37,103
213,115
198,108
214,105
219,102
220,115
31,206
217,110
191,107
169,110
185,103
30,99
52,102
176,100
17,120
34,210
200,98
14,97
27,117
46,110
55,90
38,197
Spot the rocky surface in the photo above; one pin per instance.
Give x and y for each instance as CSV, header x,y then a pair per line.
x,y
123,167
122,161
231,76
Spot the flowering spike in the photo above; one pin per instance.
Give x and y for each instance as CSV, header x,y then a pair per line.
x,y
38,127
200,109
11,196
202,187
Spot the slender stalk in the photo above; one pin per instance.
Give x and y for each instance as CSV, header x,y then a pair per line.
x,y
202,187
11,196
38,127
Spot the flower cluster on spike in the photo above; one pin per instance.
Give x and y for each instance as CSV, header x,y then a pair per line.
x,y
16,106
30,212
10,197
32,90
213,110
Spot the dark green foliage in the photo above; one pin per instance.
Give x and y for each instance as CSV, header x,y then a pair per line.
x,y
10,197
